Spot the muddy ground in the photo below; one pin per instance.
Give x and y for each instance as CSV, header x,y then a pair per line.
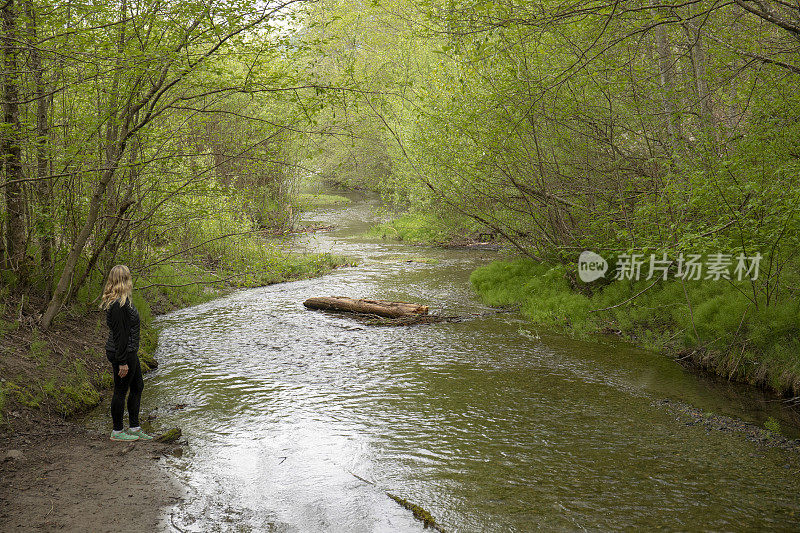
x,y
56,475
60,476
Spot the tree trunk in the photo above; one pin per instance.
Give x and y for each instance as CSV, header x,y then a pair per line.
x,y
698,56
11,145
666,69
75,252
43,188
116,138
370,307
96,253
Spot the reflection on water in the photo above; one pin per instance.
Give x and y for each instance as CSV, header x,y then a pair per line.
x,y
489,424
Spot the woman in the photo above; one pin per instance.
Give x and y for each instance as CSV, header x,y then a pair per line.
x,y
122,350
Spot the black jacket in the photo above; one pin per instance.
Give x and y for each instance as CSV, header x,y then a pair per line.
x,y
123,334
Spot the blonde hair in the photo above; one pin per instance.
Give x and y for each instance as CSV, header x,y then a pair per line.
x,y
118,287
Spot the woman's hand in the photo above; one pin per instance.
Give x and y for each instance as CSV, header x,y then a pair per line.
x,y
123,370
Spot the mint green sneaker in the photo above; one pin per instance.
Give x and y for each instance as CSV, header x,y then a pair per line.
x,y
124,437
139,434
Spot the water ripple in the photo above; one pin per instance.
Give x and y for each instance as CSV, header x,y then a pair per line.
x,y
486,423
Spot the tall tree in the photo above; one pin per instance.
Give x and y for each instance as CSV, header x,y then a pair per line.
x,y
11,146
43,188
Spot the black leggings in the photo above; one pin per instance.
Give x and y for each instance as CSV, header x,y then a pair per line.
x,y
133,381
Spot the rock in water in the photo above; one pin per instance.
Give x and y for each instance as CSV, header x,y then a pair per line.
x,y
169,436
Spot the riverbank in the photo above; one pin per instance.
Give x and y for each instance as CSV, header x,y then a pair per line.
x,y
426,228
713,325
48,462
56,475
62,371
49,476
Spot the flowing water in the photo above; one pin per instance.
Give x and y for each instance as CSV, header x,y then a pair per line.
x,y
489,424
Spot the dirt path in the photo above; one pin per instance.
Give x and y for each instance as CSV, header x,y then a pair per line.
x,y
73,479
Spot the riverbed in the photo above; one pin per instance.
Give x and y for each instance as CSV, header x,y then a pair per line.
x,y
301,420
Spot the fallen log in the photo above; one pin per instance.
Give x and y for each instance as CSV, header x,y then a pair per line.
x,y
369,307
419,513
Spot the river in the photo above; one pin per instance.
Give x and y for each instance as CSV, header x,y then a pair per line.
x,y
488,423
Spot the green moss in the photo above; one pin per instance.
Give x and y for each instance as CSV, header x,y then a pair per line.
x,y
38,350
419,513
22,395
773,427
169,436
71,398
105,380
67,393
147,361
72,392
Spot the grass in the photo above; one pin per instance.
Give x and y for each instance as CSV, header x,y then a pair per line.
x,y
247,260
713,321
22,395
414,227
7,326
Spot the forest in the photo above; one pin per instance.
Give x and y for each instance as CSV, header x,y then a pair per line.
x,y
570,228
176,137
